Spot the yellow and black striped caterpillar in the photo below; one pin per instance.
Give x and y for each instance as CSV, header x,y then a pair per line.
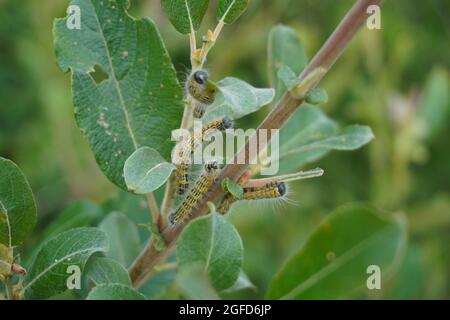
x,y
202,90
186,149
271,190
195,195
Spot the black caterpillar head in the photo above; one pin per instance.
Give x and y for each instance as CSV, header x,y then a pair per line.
x,y
212,166
201,76
227,123
171,218
281,188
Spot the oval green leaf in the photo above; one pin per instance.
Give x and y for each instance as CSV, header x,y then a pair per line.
x,y
114,291
17,206
284,49
215,243
139,103
317,96
194,283
79,214
232,187
185,15
310,134
333,262
123,238
229,10
237,98
48,275
105,271
145,171
435,104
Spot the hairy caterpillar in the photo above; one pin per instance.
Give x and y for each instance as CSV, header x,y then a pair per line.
x,y
187,148
195,195
271,190
202,90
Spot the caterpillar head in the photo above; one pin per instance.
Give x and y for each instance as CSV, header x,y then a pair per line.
x,y
227,123
211,166
201,77
281,188
173,219
201,88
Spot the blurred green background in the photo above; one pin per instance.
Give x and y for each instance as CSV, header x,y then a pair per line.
x,y
396,80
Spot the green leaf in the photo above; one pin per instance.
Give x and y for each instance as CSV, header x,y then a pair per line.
x,y
288,77
145,171
6,260
401,286
48,274
229,10
237,98
123,238
242,283
310,134
159,282
317,96
232,187
185,15
333,262
214,242
140,102
350,138
135,207
434,108
284,49
194,283
17,206
105,271
159,242
78,214
114,291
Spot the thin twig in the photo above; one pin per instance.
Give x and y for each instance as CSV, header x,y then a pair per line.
x,y
143,266
211,39
153,206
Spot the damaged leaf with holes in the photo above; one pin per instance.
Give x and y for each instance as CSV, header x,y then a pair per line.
x,y
139,103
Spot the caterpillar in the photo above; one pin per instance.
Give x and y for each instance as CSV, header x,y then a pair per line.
x,y
195,195
187,148
271,190
202,90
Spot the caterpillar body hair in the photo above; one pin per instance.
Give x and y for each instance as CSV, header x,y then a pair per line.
x,y
187,149
199,110
270,191
182,168
195,195
219,124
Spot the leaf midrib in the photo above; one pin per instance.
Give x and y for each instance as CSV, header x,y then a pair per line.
x,y
54,264
211,247
337,263
115,81
227,11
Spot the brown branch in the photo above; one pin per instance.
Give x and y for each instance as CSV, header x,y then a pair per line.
x,y
142,268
